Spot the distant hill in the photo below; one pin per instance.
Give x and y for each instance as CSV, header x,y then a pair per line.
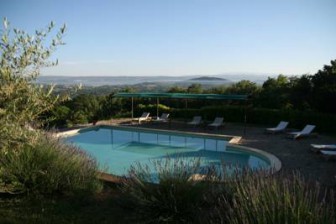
x,y
104,85
208,78
95,81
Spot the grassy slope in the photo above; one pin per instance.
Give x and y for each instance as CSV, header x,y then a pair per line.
x,y
101,208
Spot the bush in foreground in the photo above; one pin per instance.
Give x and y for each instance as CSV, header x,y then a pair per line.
x,y
277,199
175,198
47,166
248,197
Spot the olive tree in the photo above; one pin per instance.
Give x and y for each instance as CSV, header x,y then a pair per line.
x,y
22,56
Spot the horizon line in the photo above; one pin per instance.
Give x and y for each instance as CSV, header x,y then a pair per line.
x,y
206,75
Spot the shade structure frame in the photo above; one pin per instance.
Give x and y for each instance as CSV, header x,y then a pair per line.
x,y
186,96
183,96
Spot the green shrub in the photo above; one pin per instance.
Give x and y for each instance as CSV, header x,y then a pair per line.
x,y
13,136
247,197
185,113
297,119
230,113
174,199
151,108
47,166
122,115
78,117
262,116
276,199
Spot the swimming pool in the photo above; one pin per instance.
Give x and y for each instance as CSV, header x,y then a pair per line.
x,y
118,148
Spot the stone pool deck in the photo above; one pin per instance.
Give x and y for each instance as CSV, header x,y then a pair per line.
x,y
295,155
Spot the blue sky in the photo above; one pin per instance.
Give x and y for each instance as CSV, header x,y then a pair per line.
x,y
184,37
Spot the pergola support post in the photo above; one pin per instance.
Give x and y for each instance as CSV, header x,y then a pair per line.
x,y
132,109
157,107
245,116
186,96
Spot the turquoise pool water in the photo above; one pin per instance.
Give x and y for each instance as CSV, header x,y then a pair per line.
x,y
118,148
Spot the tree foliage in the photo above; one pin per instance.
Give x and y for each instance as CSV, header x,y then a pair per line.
x,y
300,91
243,87
30,161
21,58
195,88
324,88
274,93
310,93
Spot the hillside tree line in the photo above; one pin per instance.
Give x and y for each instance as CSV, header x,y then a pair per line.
x,y
314,93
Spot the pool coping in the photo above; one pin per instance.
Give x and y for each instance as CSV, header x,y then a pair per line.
x,y
234,139
275,163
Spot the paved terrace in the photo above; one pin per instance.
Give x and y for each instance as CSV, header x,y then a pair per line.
x,y
295,155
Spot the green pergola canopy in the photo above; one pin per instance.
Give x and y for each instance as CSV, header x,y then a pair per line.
x,y
182,96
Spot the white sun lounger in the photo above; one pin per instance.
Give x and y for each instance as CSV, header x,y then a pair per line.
x,y
280,128
306,131
163,118
217,122
319,147
196,121
144,117
329,154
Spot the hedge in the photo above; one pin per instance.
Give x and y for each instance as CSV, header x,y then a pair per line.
x,y
261,116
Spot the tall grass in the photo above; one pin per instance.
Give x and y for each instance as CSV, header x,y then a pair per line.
x,y
247,197
47,166
276,199
174,198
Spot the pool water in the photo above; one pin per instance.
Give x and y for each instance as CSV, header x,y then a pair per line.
x,y
118,148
